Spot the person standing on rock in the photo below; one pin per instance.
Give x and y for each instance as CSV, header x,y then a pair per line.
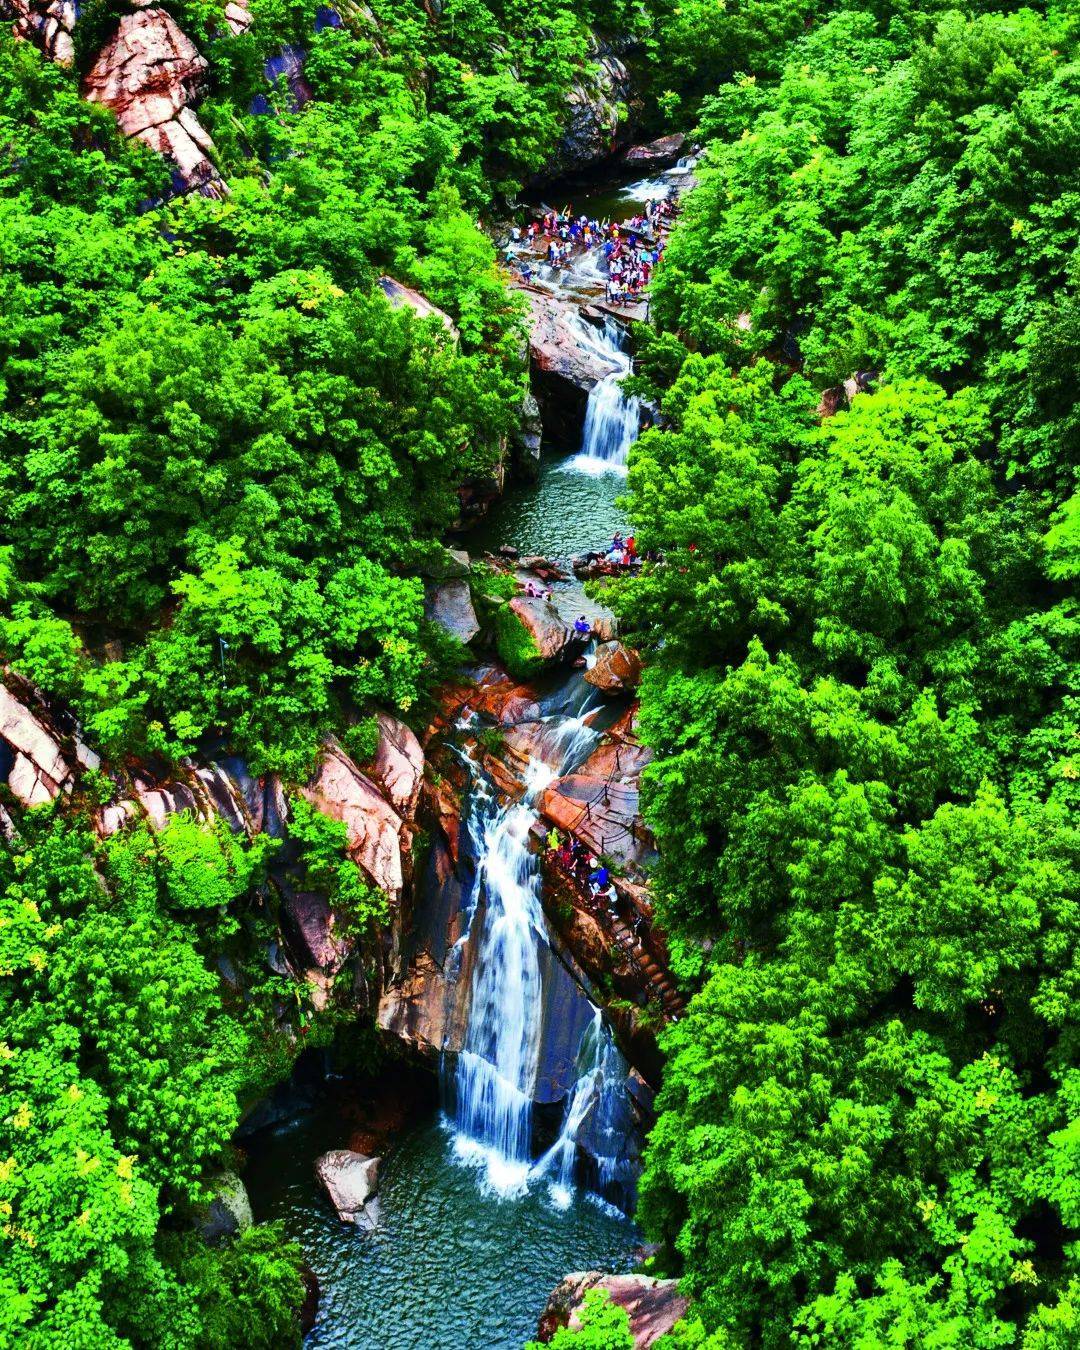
x,y
582,626
553,841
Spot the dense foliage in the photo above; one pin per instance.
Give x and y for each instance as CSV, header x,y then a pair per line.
x,y
123,1072
862,690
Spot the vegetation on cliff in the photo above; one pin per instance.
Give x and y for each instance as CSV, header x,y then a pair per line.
x,y
863,658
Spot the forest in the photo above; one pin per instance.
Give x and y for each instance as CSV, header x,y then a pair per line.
x,y
225,454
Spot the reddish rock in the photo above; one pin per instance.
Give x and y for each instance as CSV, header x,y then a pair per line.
x,y
555,640
404,297
48,24
373,827
313,931
398,766
555,343
616,670
238,17
603,815
150,74
653,1306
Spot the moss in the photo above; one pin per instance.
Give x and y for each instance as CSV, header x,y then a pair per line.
x,y
516,646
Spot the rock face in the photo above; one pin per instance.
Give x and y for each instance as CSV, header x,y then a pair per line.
x,y
48,24
555,346
398,765
598,119
656,154
653,1306
351,1181
404,297
312,931
617,669
373,827
552,639
37,768
150,74
449,604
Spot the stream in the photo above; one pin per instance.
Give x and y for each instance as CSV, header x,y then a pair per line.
x,y
481,1213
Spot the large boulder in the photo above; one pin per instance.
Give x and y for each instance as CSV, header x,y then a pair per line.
x,y
559,343
404,297
398,766
598,115
653,1306
150,75
656,154
616,670
531,633
351,1181
229,1211
450,605
373,827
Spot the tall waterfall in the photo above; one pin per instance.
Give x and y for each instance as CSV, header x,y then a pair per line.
x,y
497,1067
612,419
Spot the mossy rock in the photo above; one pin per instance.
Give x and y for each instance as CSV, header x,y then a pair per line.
x,y
516,646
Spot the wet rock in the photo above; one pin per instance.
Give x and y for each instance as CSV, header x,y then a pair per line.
x,y
405,297
656,154
150,74
351,1181
556,348
617,669
450,605
373,827
527,438
228,1213
398,766
597,115
653,1306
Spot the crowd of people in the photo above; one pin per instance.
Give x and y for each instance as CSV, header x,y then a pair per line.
x,y
631,251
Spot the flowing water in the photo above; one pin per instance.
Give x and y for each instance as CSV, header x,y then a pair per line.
x,y
475,1228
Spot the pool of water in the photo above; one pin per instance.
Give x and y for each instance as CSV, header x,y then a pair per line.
x,y
570,509
450,1266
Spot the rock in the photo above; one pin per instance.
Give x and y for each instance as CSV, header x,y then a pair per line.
x,y
527,439
48,24
38,768
653,1306
398,766
311,925
656,154
598,115
228,1213
556,348
309,1309
444,564
450,605
350,1180
405,297
617,669
373,827
150,74
530,633
238,17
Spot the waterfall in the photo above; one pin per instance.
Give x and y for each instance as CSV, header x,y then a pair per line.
x,y
611,418
497,1066
593,1103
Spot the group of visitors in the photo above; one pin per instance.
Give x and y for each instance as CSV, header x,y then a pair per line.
x,y
588,871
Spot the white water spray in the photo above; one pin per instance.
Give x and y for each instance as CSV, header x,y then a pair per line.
x,y
612,419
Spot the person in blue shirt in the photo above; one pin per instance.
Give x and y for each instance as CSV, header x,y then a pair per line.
x,y
599,879
582,625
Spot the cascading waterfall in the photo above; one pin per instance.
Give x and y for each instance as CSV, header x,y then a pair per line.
x,y
612,419
601,1070
497,1066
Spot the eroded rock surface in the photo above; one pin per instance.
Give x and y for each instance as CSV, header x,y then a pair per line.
x,y
351,1181
150,75
599,107
616,670
341,791
48,24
